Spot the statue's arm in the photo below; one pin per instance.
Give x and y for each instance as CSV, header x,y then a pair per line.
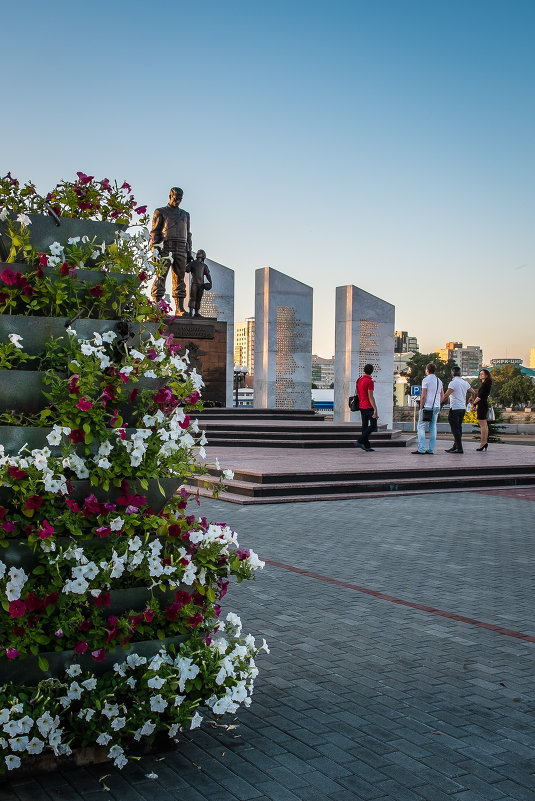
x,y
157,226
189,246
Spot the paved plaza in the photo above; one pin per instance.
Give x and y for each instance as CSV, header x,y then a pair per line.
x,y
402,636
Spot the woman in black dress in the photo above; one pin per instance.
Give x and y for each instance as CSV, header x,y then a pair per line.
x,y
482,406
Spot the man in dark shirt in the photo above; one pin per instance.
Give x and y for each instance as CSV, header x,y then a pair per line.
x,y
368,407
171,230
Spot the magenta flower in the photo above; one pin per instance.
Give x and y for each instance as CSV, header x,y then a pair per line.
x,y
8,276
77,435
126,186
84,179
84,206
96,291
74,388
17,608
43,260
99,656
104,599
9,526
148,614
195,620
73,506
46,530
59,633
105,184
34,502
12,653
134,394
84,404
15,472
182,598
103,531
80,647
33,602
141,210
51,599
124,378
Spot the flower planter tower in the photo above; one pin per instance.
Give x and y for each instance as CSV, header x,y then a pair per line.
x,y
109,587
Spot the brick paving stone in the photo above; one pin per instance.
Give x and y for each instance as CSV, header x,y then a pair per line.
x,y
362,698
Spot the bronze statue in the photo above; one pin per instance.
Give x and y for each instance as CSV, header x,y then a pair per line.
x,y
170,228
198,270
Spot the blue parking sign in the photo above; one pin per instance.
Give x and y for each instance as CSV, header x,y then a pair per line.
x,y
416,390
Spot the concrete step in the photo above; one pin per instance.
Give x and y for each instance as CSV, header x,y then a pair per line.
x,y
386,440
314,487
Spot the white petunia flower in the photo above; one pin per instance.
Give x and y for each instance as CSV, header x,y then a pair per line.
x,y
157,703
55,248
23,219
35,746
16,339
12,762
109,336
73,670
196,721
118,723
104,463
157,682
103,739
116,524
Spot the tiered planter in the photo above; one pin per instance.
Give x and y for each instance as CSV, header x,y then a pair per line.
x,y
100,553
23,391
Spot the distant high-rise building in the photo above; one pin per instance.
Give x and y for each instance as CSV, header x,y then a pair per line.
x,y
322,372
469,359
404,343
244,344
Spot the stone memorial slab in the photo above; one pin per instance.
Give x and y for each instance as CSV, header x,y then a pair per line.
x,y
364,334
283,341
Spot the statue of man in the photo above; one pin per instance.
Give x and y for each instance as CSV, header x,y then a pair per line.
x,y
199,270
171,229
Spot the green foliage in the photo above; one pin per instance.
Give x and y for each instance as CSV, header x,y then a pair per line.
x,y
416,368
510,386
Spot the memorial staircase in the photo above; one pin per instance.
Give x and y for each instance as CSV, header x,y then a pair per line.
x,y
281,428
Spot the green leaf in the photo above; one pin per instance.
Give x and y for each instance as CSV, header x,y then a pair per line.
x,y
43,663
39,570
144,483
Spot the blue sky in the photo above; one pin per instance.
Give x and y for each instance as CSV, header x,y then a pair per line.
x,y
387,144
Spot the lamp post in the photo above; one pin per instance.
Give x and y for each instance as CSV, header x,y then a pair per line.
x,y
239,380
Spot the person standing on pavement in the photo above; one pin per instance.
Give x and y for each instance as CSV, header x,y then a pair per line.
x,y
431,399
458,389
368,408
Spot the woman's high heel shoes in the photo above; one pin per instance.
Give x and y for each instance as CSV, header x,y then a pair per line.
x,y
483,447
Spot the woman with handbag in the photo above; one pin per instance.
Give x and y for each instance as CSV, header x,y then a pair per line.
x,y
430,401
482,407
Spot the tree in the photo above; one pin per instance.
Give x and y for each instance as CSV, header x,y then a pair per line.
x,y
416,365
510,386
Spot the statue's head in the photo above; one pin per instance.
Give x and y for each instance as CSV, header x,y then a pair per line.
x,y
201,255
175,196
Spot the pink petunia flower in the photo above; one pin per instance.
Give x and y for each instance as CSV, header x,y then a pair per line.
x,y
80,647
98,656
8,276
17,608
46,530
84,405
33,502
12,653
84,179
15,472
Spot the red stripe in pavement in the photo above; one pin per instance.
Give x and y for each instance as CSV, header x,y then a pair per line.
x,y
519,635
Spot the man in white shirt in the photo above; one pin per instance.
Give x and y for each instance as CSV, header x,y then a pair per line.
x,y
458,389
431,398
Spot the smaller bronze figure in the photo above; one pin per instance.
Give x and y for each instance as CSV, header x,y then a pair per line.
x,y
199,270
171,229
